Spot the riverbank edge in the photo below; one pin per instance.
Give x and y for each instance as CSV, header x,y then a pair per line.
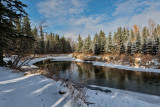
x,y
101,60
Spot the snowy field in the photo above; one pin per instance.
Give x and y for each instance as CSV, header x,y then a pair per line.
x,y
35,90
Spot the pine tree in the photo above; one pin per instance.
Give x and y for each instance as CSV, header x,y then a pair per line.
x,y
129,48
80,44
144,47
52,38
87,44
35,33
96,44
121,39
42,43
144,33
37,42
150,47
102,41
56,44
155,46
9,10
138,43
18,24
132,49
26,27
48,46
122,49
110,46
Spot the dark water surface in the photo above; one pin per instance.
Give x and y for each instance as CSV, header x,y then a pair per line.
x,y
87,74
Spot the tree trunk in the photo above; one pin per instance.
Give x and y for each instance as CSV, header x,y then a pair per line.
x,y
1,56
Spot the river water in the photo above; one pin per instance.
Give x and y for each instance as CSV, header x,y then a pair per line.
x,y
87,74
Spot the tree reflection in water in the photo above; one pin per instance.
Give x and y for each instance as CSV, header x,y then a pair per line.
x,y
87,74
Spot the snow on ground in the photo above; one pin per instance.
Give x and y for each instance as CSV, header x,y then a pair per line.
x,y
36,90
17,90
70,58
121,98
126,67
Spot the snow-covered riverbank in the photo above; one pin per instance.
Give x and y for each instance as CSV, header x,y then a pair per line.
x,y
36,90
96,63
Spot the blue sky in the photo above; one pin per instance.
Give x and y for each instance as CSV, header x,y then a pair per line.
x,y
72,17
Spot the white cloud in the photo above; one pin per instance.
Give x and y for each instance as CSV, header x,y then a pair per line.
x,y
126,7
70,14
61,8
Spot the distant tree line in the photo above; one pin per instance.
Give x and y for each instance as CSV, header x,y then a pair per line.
x,y
18,38
41,43
50,43
123,41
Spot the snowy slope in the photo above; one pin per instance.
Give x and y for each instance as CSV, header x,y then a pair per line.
x,y
17,90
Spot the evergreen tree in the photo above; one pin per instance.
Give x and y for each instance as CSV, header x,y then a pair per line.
x,y
80,44
87,44
127,36
26,27
52,38
138,43
35,33
48,46
9,10
155,46
144,33
144,47
129,48
96,44
37,43
132,49
18,24
102,41
109,43
119,36
42,43
150,47
122,49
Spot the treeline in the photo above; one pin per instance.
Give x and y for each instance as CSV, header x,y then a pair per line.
x,y
123,41
50,43
35,41
18,38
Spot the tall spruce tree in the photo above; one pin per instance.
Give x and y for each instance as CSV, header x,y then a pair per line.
x,y
102,41
110,46
129,47
80,44
87,44
48,45
138,43
9,10
96,44
144,47
42,43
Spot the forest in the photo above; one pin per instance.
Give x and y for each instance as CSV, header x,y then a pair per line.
x,y
123,41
